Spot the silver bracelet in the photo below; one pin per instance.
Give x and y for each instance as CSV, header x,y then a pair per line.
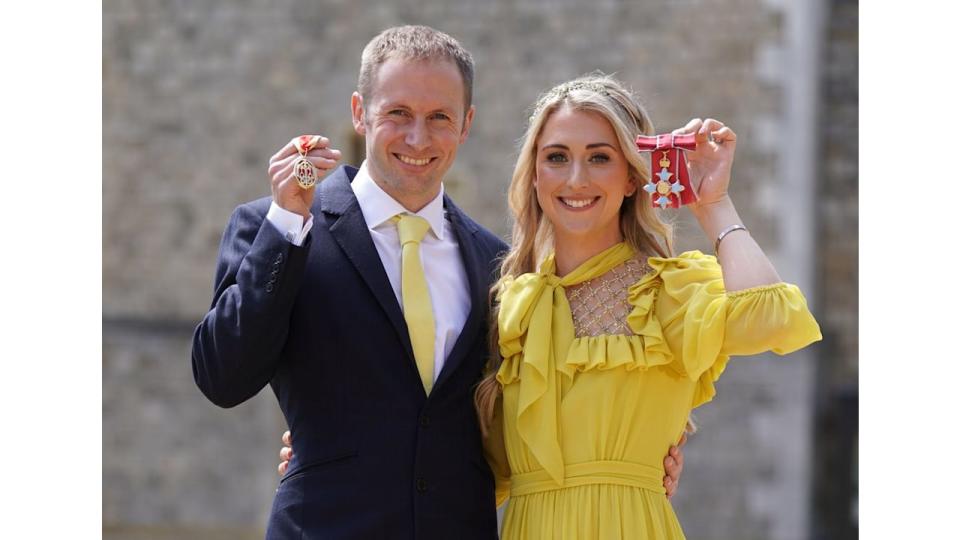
x,y
725,232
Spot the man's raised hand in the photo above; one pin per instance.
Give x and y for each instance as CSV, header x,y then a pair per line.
x,y
286,191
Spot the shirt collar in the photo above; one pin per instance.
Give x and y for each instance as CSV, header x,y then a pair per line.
x,y
378,207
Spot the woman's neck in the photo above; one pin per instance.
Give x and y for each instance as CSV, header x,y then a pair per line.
x,y
572,251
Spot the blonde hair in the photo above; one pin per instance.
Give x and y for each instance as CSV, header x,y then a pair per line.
x,y
532,237
414,42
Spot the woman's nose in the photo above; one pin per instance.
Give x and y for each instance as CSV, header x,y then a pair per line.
x,y
579,176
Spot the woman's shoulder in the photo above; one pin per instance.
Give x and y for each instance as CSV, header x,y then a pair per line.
x,y
686,268
641,272
688,259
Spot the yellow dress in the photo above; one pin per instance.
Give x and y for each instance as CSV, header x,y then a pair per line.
x,y
587,421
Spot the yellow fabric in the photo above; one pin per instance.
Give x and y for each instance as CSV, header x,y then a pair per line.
x,y
417,309
587,421
536,302
496,454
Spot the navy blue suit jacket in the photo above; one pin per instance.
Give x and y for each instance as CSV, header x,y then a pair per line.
x,y
374,457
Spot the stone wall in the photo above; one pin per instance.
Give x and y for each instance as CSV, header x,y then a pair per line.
x,y
175,466
836,491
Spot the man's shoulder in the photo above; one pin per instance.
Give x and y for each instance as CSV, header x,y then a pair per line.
x,y
488,240
496,243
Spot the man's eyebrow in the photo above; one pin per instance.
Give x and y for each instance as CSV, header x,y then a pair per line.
x,y
402,105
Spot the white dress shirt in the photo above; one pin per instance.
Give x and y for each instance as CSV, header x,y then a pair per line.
x,y
439,253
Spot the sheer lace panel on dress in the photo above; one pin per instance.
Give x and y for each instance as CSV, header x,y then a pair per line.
x,y
600,306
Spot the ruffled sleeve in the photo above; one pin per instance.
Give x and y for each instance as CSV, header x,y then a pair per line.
x,y
704,325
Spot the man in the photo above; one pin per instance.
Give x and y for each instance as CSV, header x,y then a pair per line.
x,y
364,307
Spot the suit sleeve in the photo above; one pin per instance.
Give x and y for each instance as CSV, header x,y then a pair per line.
x,y
238,344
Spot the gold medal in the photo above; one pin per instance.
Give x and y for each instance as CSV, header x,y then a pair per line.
x,y
304,171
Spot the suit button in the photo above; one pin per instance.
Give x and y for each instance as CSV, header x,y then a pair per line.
x,y
421,485
424,421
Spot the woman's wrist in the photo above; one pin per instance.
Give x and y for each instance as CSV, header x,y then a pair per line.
x,y
716,216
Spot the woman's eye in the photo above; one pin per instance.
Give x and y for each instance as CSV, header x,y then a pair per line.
x,y
599,158
556,157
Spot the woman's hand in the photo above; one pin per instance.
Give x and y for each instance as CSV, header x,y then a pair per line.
x,y
710,164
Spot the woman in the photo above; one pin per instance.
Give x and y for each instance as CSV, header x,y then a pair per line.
x,y
606,341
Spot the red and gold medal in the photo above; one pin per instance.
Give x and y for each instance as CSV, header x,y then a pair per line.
x,y
670,186
304,171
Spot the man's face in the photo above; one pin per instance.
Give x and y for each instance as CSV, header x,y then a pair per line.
x,y
413,122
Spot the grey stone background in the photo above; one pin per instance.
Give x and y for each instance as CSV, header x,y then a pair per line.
x,y
198,95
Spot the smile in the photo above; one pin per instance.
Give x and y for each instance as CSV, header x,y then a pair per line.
x,y
410,161
579,203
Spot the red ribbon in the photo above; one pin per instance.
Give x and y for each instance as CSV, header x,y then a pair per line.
x,y
306,143
669,185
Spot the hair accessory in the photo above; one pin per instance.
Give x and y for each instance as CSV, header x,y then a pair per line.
x,y
563,90
666,188
725,232
304,171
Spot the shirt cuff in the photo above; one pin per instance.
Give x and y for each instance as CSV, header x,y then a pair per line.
x,y
289,224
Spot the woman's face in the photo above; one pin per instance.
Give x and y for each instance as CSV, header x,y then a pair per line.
x,y
582,178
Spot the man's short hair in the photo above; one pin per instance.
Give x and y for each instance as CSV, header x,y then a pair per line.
x,y
414,43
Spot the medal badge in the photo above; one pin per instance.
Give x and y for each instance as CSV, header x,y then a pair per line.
x,y
304,171
669,186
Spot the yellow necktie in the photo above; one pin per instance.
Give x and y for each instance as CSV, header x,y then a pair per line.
x,y
417,310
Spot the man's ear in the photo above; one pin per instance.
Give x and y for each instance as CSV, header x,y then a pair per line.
x,y
359,118
467,122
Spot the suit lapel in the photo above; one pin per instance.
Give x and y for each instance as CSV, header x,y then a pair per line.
x,y
349,229
475,268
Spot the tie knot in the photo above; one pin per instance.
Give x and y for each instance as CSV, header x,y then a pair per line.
x,y
411,228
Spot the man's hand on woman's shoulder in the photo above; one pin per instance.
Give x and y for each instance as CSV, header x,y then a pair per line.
x,y
286,452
